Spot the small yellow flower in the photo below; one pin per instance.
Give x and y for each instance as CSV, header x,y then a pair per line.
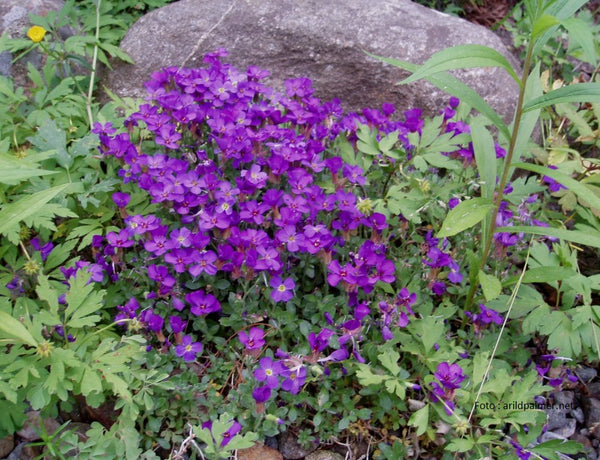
x,y
31,267
44,349
36,34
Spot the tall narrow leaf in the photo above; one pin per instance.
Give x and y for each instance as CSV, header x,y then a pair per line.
x,y
12,214
581,190
452,85
580,92
573,236
14,329
485,160
529,119
462,57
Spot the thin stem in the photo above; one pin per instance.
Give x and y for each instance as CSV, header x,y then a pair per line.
x,y
88,104
511,303
504,179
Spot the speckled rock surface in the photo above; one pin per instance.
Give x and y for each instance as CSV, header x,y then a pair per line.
x,y
324,41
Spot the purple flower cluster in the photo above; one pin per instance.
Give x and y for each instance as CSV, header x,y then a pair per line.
x,y
449,377
509,216
238,170
437,260
482,319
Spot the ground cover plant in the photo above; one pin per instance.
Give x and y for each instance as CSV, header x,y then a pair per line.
x,y
228,262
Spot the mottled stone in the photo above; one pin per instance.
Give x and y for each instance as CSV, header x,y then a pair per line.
x,y
290,448
324,41
259,452
32,426
7,444
324,455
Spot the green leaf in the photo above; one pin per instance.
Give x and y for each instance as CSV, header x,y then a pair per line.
x,y
529,120
581,33
485,157
51,137
580,92
542,275
47,293
480,363
466,215
420,420
543,24
567,235
395,387
14,176
24,209
452,85
491,286
14,329
550,448
90,382
581,190
462,57
82,302
460,445
389,359
366,377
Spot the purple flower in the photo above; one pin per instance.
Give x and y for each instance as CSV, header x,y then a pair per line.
x,y
177,324
282,290
268,372
553,186
233,430
449,375
120,240
202,304
121,199
488,315
252,340
188,350
261,394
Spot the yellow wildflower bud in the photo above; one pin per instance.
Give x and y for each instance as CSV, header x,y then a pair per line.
x,y
31,267
365,207
44,349
36,34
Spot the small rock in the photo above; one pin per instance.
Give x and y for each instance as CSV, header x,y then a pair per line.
x,y
7,444
324,455
31,428
586,374
259,452
549,436
591,410
289,447
568,428
594,389
578,415
587,445
556,418
567,398
271,441
25,452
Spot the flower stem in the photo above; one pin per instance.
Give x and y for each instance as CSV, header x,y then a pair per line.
x,y
505,173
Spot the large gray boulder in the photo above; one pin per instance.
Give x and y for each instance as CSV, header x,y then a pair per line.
x,y
322,40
